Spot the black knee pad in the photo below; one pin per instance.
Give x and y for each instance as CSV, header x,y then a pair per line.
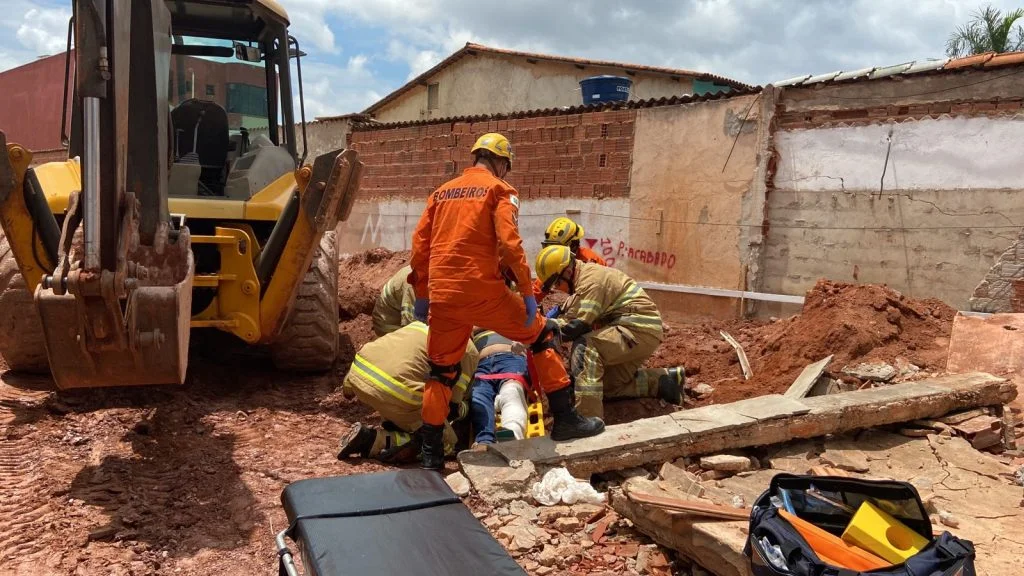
x,y
447,375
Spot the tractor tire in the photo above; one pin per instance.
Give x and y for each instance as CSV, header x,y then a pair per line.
x,y
21,331
309,340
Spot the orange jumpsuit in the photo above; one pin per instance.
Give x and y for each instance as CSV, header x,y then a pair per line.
x,y
583,255
469,228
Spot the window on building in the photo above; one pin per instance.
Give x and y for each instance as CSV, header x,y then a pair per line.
x,y
432,94
211,90
247,100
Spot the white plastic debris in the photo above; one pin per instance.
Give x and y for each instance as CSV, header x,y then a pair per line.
x,y
558,486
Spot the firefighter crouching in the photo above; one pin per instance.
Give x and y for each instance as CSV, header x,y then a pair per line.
x,y
393,307
613,326
389,375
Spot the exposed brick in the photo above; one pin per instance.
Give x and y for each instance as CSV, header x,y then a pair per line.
x,y
1008,105
984,107
961,108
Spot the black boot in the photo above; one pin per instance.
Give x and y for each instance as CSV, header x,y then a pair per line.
x,y
358,440
568,423
671,384
432,449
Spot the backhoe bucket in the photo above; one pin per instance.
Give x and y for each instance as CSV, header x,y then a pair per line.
x,y
155,338
125,328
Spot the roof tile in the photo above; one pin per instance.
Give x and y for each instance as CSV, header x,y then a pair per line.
x,y
969,61
620,105
1006,59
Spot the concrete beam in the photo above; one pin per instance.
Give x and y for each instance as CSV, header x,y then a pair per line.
x,y
759,421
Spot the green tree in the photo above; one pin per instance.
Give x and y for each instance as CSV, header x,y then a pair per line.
x,y
989,30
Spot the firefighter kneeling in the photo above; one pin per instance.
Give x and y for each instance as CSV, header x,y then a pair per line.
x,y
613,326
389,375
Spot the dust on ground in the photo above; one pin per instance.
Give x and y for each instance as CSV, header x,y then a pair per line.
x,y
187,480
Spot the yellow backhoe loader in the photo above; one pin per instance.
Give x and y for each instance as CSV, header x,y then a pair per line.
x,y
184,203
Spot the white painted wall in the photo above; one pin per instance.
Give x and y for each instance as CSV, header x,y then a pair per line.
x,y
390,224
942,154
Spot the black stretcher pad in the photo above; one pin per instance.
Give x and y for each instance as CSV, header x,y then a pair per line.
x,y
401,522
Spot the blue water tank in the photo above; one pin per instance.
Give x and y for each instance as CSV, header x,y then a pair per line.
x,y
597,89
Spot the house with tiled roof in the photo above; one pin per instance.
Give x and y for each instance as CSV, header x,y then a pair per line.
x,y
479,79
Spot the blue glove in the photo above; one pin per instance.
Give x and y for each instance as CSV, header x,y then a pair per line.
x,y
531,309
554,312
420,307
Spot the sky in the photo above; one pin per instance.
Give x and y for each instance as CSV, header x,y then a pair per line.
x,y
360,50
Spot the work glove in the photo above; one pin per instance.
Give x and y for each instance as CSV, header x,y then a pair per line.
x,y
457,411
531,309
420,308
554,312
573,329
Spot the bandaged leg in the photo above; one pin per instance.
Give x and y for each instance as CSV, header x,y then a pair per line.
x,y
511,404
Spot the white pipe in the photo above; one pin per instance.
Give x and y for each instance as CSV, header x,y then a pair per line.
x,y
91,182
762,296
785,298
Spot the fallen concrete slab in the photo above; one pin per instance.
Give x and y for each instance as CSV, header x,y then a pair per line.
x,y
971,487
807,379
757,422
994,344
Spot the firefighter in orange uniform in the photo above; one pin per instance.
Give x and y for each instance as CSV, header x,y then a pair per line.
x,y
468,232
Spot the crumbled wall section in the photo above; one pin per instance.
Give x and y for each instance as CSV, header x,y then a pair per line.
x,y
561,156
1002,290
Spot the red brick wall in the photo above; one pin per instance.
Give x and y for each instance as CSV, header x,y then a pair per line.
x,y
561,156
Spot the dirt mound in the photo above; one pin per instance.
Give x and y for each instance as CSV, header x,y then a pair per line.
x,y
362,275
853,322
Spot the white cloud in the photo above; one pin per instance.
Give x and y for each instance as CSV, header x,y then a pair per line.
x,y
330,90
44,30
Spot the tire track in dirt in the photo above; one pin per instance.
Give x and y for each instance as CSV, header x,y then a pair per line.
x,y
25,512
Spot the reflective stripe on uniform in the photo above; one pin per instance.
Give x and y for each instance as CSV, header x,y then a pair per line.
x,y
386,383
482,336
626,296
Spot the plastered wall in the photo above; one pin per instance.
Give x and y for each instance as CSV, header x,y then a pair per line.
x,y
930,221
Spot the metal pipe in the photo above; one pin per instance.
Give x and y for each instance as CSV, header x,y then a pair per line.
x,y
91,182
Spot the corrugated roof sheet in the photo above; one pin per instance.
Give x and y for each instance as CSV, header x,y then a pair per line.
x,y
471,48
622,105
930,65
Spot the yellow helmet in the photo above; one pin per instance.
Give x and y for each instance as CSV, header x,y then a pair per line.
x,y
562,231
496,144
552,261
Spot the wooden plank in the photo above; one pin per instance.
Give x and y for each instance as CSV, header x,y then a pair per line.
x,y
959,417
690,506
744,363
807,379
717,545
666,438
977,425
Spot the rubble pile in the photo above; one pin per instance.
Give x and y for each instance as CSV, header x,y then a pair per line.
x,y
874,334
